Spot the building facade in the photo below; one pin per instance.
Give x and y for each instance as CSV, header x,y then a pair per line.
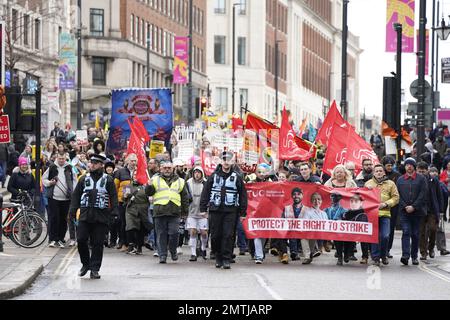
x,y
115,36
32,49
304,36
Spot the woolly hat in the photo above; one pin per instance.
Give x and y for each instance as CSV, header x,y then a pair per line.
x,y
412,162
23,161
388,160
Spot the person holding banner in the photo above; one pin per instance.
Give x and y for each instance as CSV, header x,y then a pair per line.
x,y
389,199
313,213
412,188
341,178
226,197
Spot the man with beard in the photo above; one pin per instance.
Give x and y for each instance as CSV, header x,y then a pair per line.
x,y
96,197
225,196
366,174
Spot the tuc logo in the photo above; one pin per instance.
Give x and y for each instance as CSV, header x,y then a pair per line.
x,y
257,193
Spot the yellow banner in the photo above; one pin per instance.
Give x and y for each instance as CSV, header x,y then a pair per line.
x,y
156,147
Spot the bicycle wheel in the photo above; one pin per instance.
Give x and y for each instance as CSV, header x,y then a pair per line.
x,y
29,230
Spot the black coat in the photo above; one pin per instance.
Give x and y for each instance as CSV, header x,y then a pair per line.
x,y
412,193
21,181
94,215
434,198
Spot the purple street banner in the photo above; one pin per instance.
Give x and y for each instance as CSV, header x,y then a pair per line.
x,y
400,11
180,66
427,51
152,106
67,61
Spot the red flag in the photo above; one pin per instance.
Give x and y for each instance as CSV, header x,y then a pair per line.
x,y
136,146
237,124
346,145
256,123
333,118
140,129
288,148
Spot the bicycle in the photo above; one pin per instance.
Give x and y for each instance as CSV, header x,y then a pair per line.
x,y
22,224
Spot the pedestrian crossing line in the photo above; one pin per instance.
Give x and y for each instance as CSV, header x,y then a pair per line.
x,y
63,262
434,273
265,286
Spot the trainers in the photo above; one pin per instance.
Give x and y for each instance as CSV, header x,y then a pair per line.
x,y
376,262
316,254
444,252
307,261
193,258
353,258
162,259
60,244
285,258
274,251
364,261
226,265
156,254
219,263
149,246
346,259
139,252
404,260
83,271
385,261
295,257
72,243
95,275
52,244
131,250
339,262
258,261
423,257
179,251
415,262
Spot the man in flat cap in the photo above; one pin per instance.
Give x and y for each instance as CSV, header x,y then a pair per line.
x,y
96,197
225,196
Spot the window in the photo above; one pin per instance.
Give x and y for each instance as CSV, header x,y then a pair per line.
x,y
137,32
241,51
37,32
242,7
132,27
222,98
26,32
99,71
243,97
97,22
14,24
219,6
219,49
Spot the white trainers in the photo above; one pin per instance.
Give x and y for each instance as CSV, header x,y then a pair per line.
x,y
156,254
60,244
179,250
52,244
72,243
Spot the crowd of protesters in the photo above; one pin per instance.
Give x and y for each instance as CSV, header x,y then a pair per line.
x,y
181,206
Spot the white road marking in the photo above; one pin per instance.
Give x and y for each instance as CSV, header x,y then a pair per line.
x,y
263,284
63,264
6,255
434,273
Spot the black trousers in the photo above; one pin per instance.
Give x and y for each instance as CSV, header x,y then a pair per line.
x,y
136,236
93,234
123,223
57,219
114,231
344,247
223,225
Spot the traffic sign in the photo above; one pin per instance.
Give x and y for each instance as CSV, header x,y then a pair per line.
x,y
445,70
414,89
5,134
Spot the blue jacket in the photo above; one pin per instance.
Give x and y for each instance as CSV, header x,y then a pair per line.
x,y
413,192
335,212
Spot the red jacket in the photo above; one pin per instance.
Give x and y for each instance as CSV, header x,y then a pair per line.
x,y
443,177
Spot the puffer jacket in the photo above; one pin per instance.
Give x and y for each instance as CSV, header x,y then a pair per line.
x,y
122,178
389,194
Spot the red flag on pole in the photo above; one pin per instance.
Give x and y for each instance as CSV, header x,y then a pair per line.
x,y
140,129
289,150
136,146
346,145
333,118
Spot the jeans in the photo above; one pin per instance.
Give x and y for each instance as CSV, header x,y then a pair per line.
x,y
393,223
166,229
3,164
241,239
410,236
380,249
293,246
151,235
428,230
259,248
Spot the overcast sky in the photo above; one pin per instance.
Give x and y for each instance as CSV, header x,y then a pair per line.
x,y
367,19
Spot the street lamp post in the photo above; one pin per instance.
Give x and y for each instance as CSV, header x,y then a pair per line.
x,y
79,101
344,107
191,39
148,61
421,94
233,76
398,90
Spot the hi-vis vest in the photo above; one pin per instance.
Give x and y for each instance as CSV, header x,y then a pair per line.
x,y
164,193
101,200
231,198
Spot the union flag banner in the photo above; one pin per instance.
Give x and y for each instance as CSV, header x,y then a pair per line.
x,y
332,119
285,210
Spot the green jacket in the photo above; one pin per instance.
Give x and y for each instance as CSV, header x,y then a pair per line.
x,y
170,209
137,204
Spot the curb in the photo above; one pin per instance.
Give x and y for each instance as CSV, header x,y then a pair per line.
x,y
20,289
